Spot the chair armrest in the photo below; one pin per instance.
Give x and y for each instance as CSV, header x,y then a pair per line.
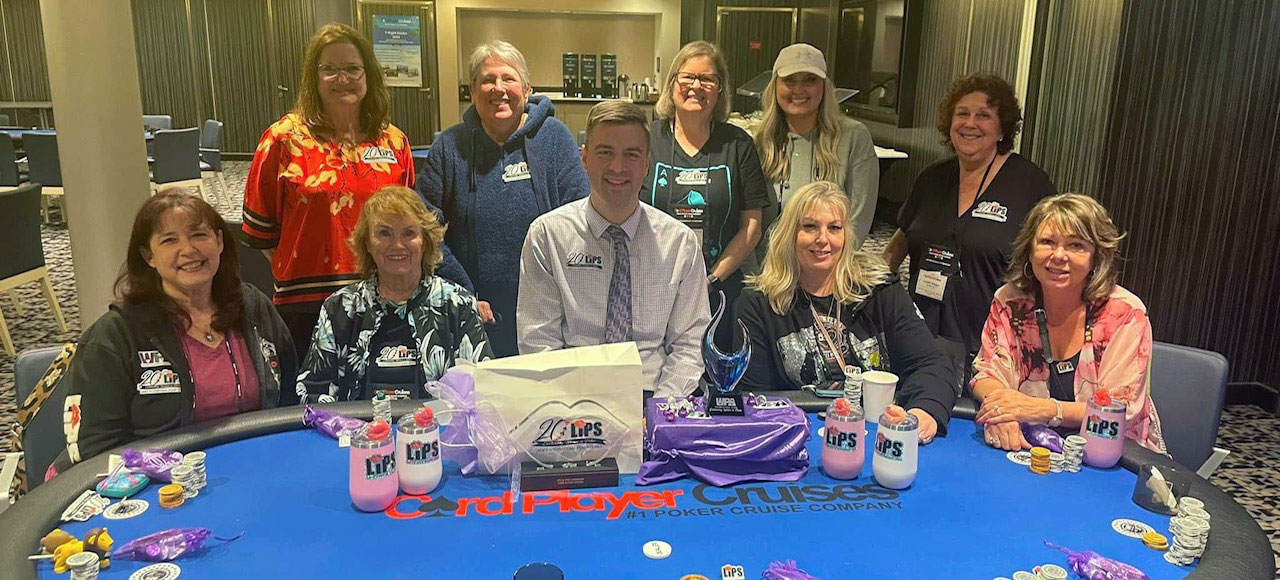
x,y
8,471
210,150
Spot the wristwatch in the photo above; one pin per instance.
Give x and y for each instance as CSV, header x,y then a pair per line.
x,y
1057,416
713,279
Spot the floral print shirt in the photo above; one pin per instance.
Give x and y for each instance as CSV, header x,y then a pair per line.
x,y
1116,357
441,314
303,198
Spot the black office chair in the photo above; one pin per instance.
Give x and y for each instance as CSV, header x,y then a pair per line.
x,y
22,261
45,168
157,122
177,160
9,174
43,439
1189,388
211,157
254,266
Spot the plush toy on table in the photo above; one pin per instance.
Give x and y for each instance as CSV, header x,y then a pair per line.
x,y
63,545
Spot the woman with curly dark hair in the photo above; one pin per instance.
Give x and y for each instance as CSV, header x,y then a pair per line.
x,y
959,222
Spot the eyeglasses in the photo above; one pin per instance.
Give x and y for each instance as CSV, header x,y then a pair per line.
x,y
353,72
706,81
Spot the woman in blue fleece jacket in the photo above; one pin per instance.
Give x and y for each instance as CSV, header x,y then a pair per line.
x,y
508,162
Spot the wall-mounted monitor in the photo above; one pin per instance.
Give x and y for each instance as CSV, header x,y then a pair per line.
x,y
878,55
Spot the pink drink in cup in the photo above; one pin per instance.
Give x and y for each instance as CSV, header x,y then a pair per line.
x,y
844,440
372,475
1103,430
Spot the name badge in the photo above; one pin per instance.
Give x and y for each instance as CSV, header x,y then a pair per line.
x,y
1065,366
150,359
991,210
931,284
397,356
516,172
158,382
378,155
692,177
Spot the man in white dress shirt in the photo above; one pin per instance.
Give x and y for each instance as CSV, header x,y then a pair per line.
x,y
610,269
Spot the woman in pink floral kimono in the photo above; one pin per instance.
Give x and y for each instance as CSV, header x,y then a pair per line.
x,y
1061,329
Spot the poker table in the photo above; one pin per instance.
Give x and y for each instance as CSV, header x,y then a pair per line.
x,y
971,513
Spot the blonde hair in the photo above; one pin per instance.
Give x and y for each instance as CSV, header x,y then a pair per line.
x,y
1076,215
666,106
772,136
397,201
856,272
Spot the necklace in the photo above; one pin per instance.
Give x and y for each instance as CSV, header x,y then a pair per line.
x,y
208,336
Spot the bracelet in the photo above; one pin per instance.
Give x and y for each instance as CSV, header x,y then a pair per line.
x,y
1057,417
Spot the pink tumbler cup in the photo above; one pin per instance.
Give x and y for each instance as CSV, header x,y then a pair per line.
x,y
372,476
844,440
1103,431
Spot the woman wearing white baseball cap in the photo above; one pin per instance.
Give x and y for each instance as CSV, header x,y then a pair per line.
x,y
804,138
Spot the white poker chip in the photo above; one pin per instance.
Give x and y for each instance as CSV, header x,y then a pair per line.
x,y
162,571
1131,528
126,509
653,549
1020,457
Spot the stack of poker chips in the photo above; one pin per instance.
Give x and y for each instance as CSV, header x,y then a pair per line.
x,y
1187,501
171,496
186,477
83,566
1190,533
1040,462
1057,462
1072,453
1156,541
195,460
382,407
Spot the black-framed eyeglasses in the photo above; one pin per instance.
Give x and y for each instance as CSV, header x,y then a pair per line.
x,y
353,72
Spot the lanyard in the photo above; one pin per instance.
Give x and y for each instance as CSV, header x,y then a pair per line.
x,y
1042,321
817,321
960,226
235,370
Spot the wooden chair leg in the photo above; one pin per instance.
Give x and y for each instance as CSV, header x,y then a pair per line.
x,y
17,304
5,338
47,286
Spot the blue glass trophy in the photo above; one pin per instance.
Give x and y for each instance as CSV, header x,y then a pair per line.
x,y
723,370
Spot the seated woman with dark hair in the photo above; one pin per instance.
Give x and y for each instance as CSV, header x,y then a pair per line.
x,y
185,341
1061,329
401,326
819,306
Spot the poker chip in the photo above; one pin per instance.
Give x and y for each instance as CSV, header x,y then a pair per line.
x,y
1131,528
83,565
1187,501
1023,574
185,476
539,571
1053,572
195,460
657,550
1190,535
1040,462
1073,453
1019,457
1056,461
382,407
694,577
126,509
161,571
171,496
1155,541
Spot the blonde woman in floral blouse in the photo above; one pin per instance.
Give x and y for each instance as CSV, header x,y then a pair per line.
x,y
399,327
1062,277
314,169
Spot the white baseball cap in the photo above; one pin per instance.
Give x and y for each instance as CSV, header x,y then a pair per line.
x,y
800,57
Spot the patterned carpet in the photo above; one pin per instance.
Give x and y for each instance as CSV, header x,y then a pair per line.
x,y
1251,473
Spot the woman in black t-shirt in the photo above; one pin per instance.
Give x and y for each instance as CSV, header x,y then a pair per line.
x,y
706,173
817,307
963,213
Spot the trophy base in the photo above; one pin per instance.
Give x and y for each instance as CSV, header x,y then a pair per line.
x,y
570,475
721,405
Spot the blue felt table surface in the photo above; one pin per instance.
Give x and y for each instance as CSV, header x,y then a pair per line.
x,y
970,514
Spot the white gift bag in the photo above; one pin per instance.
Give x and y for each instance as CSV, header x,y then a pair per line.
x,y
577,404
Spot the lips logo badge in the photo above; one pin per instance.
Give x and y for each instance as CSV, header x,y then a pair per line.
x,y
556,432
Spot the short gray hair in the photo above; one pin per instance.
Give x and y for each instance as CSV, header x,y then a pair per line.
x,y
503,51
